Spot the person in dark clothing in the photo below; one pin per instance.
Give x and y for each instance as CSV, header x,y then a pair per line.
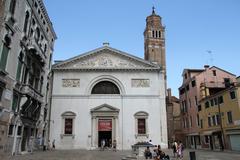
x,y
148,153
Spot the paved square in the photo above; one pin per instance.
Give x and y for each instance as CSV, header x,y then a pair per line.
x,y
110,155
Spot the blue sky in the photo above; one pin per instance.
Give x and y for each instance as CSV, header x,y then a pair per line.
x,y
192,28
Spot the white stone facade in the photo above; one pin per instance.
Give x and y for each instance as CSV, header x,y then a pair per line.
x,y
142,94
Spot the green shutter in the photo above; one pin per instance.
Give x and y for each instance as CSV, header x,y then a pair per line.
x,y
14,102
19,70
3,60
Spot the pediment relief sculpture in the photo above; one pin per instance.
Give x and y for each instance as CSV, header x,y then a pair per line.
x,y
105,58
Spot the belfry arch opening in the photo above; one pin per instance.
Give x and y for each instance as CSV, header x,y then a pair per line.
x,y
105,87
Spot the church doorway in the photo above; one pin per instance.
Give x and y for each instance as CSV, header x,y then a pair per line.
x,y
106,136
105,132
104,125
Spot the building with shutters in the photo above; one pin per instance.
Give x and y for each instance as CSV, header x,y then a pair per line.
x,y
219,116
26,46
197,85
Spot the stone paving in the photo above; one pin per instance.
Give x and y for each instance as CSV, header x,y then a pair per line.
x,y
110,155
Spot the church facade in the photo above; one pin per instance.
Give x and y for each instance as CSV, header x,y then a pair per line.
x,y
107,94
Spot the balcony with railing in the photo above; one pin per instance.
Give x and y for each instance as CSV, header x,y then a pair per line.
x,y
28,90
35,47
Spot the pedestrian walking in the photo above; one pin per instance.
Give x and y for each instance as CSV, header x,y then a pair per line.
x,y
49,145
180,150
102,144
110,143
114,144
174,147
53,144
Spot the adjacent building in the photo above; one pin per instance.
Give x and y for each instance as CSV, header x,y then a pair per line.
x,y
174,121
197,84
26,47
2,8
219,116
107,94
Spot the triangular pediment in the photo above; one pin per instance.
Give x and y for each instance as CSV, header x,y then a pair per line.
x,y
105,108
105,58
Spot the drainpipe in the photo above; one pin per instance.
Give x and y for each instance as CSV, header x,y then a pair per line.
x,y
50,105
122,119
221,126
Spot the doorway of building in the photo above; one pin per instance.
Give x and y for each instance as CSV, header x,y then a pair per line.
x,y
24,139
106,136
105,132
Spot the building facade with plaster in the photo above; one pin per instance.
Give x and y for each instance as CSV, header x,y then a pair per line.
x,y
219,115
198,84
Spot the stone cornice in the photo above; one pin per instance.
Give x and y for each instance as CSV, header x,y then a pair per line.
x,y
106,96
106,58
105,69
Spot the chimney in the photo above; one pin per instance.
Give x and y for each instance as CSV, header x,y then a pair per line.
x,y
206,66
169,93
106,44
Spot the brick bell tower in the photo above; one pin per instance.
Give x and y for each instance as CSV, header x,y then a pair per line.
x,y
154,41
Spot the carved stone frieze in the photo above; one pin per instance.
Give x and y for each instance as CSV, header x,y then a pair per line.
x,y
140,83
71,82
106,60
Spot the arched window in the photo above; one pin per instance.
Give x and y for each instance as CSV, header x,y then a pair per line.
x,y
153,35
12,6
41,84
19,68
37,34
105,87
45,48
26,22
4,52
159,33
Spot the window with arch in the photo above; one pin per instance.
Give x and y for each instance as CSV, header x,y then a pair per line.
x,y
141,123
45,48
68,123
37,34
153,34
19,67
4,52
26,22
12,6
105,87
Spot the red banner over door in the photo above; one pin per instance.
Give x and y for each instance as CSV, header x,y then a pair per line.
x,y
104,125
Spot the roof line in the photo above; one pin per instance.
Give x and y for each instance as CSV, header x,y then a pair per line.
x,y
223,70
102,48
